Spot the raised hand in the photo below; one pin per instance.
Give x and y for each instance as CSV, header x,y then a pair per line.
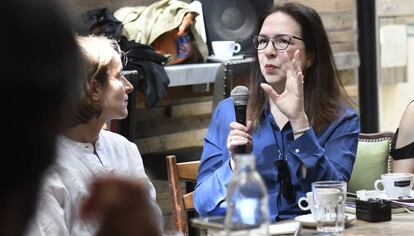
x,y
290,101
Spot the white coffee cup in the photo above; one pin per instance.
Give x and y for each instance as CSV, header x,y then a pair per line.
x,y
309,202
224,49
328,196
395,185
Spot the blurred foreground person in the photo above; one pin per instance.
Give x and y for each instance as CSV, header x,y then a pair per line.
x,y
39,73
41,77
122,207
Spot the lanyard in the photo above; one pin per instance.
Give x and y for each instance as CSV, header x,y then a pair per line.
x,y
278,136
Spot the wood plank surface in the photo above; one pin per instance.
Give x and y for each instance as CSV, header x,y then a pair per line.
x,y
192,109
85,5
346,36
175,111
323,6
157,127
173,141
343,47
339,21
188,170
347,60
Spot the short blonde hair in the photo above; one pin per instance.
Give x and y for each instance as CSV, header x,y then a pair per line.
x,y
99,53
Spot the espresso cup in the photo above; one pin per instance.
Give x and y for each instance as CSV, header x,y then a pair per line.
x,y
328,196
224,49
306,203
395,185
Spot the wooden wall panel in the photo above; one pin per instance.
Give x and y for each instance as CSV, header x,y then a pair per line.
x,y
85,5
339,21
177,140
324,6
347,36
344,47
158,127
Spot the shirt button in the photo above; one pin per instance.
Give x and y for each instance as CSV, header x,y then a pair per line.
x,y
297,150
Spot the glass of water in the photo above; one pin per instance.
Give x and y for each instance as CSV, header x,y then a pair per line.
x,y
329,204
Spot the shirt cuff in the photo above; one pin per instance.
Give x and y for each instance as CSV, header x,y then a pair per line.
x,y
307,150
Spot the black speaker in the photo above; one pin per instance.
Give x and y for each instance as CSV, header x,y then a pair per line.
x,y
233,20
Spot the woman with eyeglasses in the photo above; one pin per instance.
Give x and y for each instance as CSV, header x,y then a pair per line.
x,y
301,125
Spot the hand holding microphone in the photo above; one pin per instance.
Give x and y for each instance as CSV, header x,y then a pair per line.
x,y
239,140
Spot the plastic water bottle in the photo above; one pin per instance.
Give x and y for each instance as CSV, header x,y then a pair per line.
x,y
247,200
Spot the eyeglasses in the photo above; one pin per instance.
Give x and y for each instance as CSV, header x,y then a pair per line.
x,y
280,42
124,57
284,178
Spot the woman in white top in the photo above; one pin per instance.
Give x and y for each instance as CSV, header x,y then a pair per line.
x,y
85,150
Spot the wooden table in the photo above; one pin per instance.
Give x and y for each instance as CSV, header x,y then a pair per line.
x,y
400,225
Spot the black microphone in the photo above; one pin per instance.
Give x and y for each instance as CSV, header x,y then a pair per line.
x,y
240,95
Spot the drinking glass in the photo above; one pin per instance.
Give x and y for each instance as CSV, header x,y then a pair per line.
x,y
329,205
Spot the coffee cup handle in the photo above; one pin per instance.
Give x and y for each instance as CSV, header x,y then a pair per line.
x,y
300,203
377,182
237,48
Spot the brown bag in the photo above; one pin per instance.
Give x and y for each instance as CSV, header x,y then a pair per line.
x,y
177,44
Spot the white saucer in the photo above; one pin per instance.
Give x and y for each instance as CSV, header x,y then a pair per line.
x,y
382,195
309,221
215,59
409,198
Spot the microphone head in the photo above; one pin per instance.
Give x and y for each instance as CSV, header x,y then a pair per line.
x,y
240,95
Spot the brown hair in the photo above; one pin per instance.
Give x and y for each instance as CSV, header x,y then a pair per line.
x,y
99,53
324,93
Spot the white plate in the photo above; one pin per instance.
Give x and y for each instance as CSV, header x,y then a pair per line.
x,y
214,225
309,221
283,228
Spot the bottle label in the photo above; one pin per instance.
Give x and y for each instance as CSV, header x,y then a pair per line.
x,y
247,208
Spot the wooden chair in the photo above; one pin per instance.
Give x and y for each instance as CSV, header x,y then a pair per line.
x,y
372,160
181,202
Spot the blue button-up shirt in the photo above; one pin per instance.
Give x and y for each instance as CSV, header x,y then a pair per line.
x,y
328,155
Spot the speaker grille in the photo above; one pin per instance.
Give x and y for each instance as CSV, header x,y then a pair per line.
x,y
233,20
